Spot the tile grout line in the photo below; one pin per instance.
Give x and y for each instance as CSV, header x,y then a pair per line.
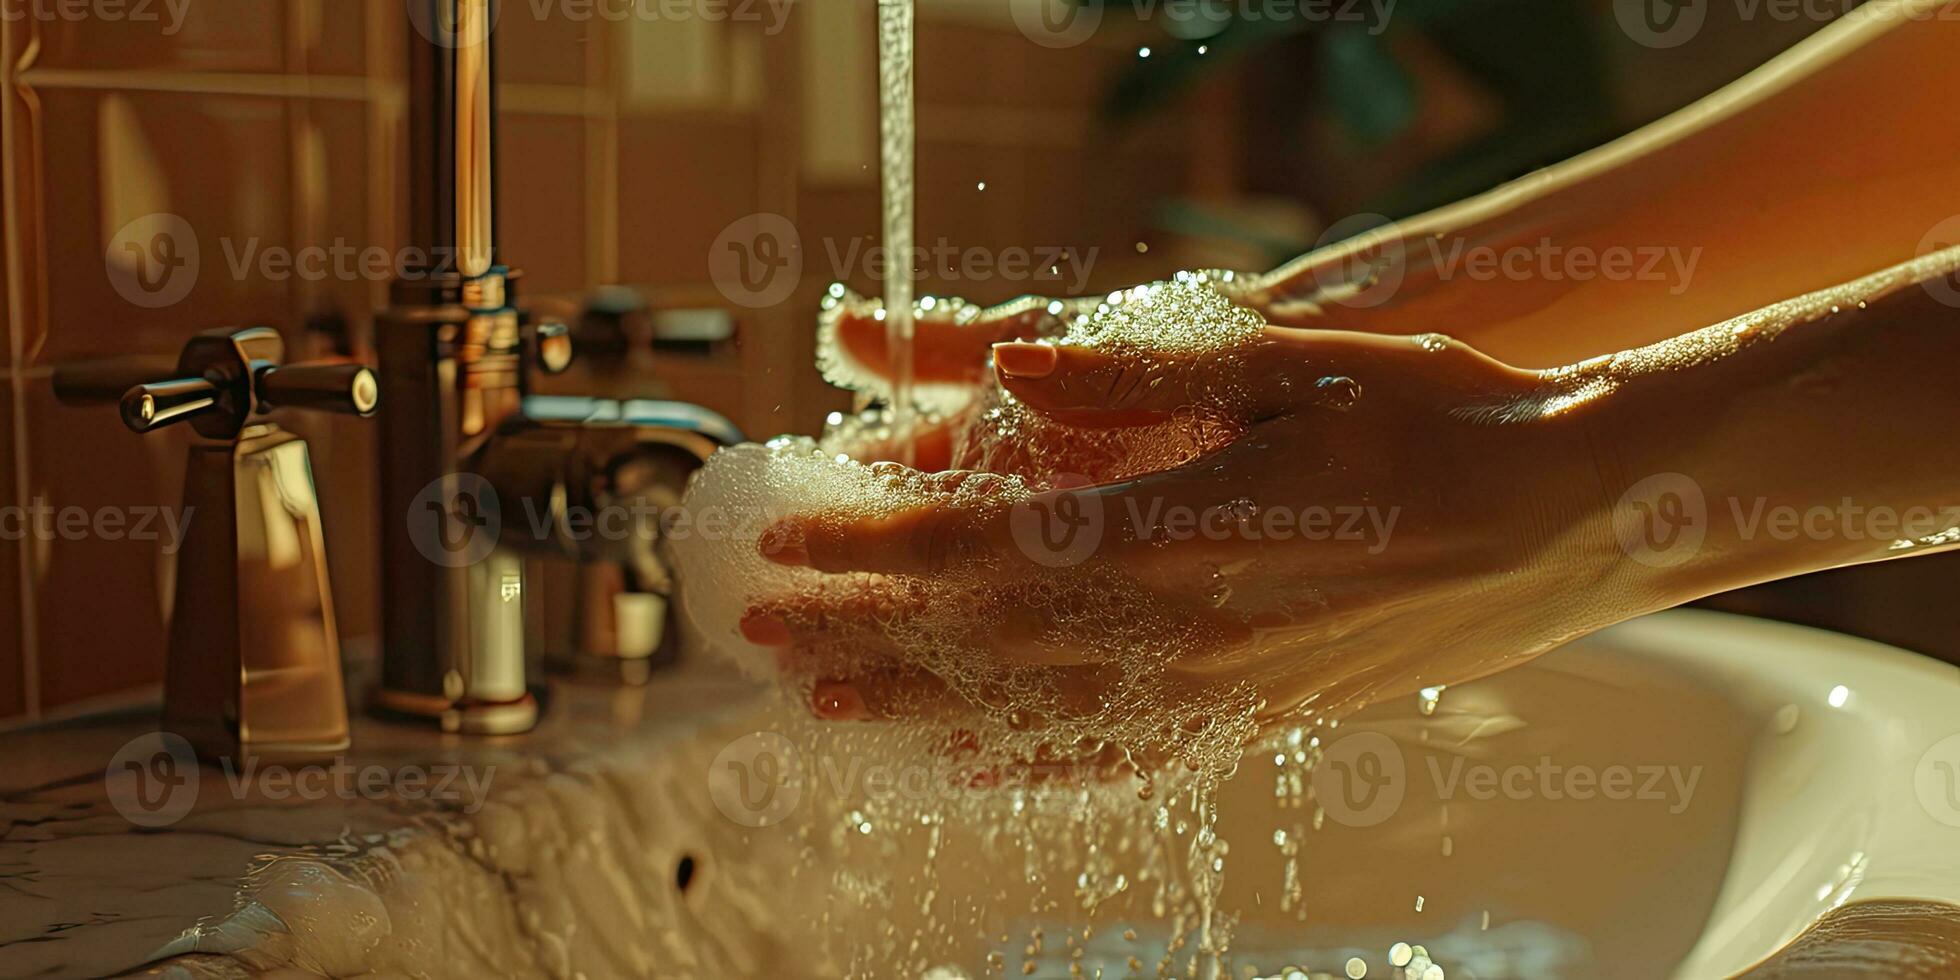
x,y
29,632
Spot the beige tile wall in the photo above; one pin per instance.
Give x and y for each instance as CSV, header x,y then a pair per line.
x,y
626,148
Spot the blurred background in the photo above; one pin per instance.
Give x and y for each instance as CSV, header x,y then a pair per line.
x,y
1059,151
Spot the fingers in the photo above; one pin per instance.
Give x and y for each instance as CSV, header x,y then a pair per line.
x,y
857,604
1088,387
883,695
950,528
950,337
1097,388
807,628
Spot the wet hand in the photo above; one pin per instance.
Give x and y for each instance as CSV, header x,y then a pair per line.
x,y
1394,513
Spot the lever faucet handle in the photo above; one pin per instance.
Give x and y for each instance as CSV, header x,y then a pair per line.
x,y
152,405
551,346
324,386
105,381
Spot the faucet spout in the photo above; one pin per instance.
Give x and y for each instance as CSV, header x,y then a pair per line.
x,y
451,347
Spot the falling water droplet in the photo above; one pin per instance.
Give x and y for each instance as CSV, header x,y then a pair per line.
x,y
1429,699
1338,392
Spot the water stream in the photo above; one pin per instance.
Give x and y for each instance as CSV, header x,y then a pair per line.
x,y
895,130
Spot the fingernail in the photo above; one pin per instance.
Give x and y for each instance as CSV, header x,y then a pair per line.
x,y
1019,360
838,701
783,544
763,629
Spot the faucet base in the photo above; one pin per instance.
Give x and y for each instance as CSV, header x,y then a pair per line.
x,y
254,662
460,717
602,669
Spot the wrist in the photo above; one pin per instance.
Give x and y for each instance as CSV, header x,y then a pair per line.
x,y
1798,438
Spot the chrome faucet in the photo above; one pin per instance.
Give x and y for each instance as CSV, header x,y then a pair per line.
x,y
480,484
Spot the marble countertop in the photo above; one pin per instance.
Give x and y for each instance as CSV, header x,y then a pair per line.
x,y
447,846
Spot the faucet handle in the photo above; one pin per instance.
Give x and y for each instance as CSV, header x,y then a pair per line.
x,y
550,340
222,382
152,405
106,380
325,386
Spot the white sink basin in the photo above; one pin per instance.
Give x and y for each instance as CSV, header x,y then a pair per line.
x,y
1743,778
1770,774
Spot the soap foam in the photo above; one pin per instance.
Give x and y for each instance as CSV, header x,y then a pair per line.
x,y
1124,703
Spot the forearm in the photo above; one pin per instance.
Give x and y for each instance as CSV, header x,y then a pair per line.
x,y
1817,433
1831,162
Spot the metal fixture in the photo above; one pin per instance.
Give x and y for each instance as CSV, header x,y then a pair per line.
x,y
254,661
463,463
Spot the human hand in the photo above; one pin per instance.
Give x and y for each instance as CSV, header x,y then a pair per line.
x,y
1346,517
